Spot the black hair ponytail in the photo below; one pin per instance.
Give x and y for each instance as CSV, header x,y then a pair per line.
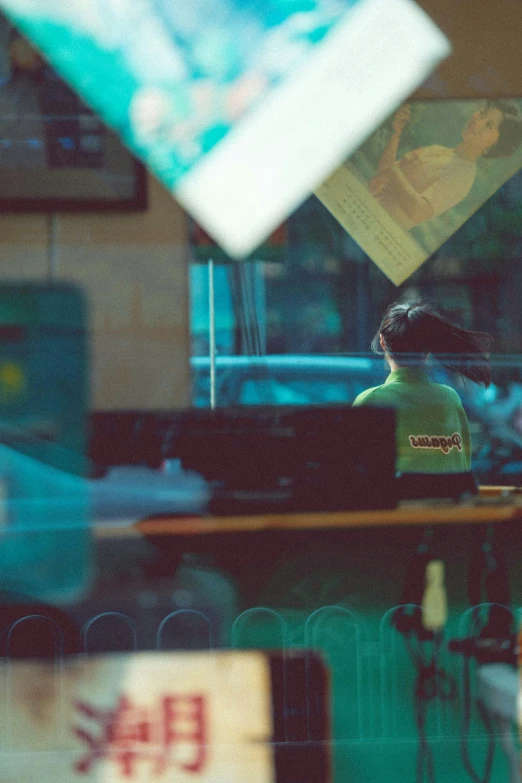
x,y
411,330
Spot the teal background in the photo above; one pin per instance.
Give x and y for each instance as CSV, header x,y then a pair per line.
x,y
334,591
45,538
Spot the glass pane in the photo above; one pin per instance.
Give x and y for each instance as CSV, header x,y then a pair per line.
x,y
286,323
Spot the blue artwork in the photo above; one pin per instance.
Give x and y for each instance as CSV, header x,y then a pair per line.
x,y
173,78
240,108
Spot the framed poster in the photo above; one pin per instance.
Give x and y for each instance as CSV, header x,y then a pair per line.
x,y
55,153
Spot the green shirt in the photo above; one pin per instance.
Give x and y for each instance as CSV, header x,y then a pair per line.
x,y
432,427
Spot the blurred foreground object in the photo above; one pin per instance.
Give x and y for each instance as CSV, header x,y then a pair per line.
x,y
44,524
201,716
241,109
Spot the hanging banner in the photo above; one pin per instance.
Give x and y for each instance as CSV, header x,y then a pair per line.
x,y
240,108
421,175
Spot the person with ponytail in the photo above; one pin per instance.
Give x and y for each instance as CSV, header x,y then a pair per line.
x,y
432,428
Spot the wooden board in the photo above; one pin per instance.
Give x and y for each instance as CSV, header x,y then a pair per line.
x,y
487,49
493,507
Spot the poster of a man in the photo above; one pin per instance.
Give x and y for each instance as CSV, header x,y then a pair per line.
x,y
421,175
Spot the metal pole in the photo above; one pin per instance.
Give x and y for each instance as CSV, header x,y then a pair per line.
x,y
212,333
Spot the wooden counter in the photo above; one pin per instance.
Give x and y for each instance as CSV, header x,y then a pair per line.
x,y
493,505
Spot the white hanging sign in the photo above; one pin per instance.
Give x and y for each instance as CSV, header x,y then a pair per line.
x,y
150,717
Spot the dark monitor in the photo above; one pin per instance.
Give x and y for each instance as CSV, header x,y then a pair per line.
x,y
264,459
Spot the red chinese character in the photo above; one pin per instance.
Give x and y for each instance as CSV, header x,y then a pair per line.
x,y
129,733
122,730
184,721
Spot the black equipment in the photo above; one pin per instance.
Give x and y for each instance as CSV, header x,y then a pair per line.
x,y
419,486
263,459
491,640
424,647
493,637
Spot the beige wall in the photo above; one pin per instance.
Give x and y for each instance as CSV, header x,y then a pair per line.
x,y
133,270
